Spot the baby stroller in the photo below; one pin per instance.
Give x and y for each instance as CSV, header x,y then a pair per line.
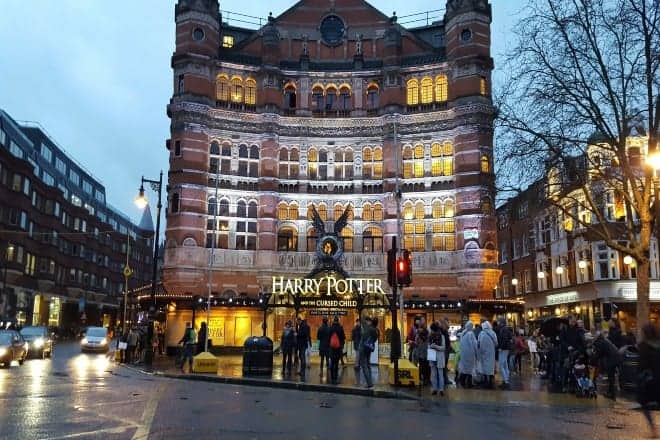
x,y
584,386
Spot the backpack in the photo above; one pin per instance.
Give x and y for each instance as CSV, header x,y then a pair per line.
x,y
335,344
506,336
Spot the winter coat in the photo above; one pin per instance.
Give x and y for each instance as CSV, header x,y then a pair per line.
x,y
337,328
486,352
649,363
468,360
355,336
437,343
422,343
323,336
288,340
303,338
606,353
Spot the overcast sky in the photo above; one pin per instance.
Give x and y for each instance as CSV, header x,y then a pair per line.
x,y
96,75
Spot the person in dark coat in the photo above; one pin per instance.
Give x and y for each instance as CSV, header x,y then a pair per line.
x,y
201,338
355,336
286,347
648,386
303,341
607,354
615,335
323,336
336,352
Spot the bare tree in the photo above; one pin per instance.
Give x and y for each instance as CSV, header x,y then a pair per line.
x,y
579,68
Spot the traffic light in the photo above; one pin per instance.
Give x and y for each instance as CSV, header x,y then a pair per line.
x,y
404,269
391,267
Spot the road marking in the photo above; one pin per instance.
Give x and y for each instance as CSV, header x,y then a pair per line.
x,y
117,430
148,416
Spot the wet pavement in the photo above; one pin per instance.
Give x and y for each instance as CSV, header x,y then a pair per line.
x,y
76,396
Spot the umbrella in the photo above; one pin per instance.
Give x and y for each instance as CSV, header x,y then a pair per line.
x,y
550,326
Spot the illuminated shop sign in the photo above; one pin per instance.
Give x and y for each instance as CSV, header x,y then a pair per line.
x,y
562,298
327,286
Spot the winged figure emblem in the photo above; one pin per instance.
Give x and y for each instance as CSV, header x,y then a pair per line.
x,y
317,222
342,221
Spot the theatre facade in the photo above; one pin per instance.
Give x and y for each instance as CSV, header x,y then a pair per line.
x,y
312,121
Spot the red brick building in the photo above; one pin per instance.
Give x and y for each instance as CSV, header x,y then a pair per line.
x,y
327,105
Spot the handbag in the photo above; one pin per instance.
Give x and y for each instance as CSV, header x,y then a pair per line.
x,y
123,345
431,355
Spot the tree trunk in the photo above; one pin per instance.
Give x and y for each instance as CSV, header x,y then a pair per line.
x,y
643,289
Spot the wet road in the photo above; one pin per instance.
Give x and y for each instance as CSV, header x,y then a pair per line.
x,y
81,396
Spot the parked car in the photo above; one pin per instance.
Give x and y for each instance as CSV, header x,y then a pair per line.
x,y
40,341
12,348
95,339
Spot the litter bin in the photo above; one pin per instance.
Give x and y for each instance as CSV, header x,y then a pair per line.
x,y
629,368
258,356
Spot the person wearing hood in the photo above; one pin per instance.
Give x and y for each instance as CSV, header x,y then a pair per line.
x,y
648,387
486,354
468,360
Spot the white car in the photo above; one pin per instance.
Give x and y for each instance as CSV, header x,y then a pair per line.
x,y
95,339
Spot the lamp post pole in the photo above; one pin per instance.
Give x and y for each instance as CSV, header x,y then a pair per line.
x,y
156,185
211,258
3,292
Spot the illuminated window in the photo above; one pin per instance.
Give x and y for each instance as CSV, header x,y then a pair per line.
x,y
412,92
250,91
436,167
343,164
338,211
287,239
293,211
486,207
441,88
449,209
222,88
228,41
427,90
449,226
450,243
408,212
237,89
367,213
419,152
436,150
436,209
419,210
378,212
372,239
282,211
447,166
447,149
485,164
407,170
323,212
482,86
372,97
419,168
313,166
414,236
347,237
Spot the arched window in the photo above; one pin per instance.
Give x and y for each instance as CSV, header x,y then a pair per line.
x,y
236,89
226,150
343,164
408,211
367,212
323,212
284,155
447,148
290,97
412,92
419,210
293,211
346,235
224,208
436,209
367,166
222,88
311,239
254,152
243,151
250,91
212,206
485,164
312,164
372,239
372,97
419,161
407,162
338,211
317,98
441,88
241,210
427,90
282,211
449,209
345,98
330,98
252,209
215,148
287,239
378,212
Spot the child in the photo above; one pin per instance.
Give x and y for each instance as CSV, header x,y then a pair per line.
x,y
582,374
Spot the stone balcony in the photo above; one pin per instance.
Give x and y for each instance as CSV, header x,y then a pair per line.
x,y
300,263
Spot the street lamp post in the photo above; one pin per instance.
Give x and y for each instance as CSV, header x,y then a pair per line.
x,y
141,202
3,292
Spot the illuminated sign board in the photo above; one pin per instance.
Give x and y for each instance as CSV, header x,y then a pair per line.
x,y
327,286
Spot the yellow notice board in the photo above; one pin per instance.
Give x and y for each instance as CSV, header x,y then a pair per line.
x,y
217,330
243,330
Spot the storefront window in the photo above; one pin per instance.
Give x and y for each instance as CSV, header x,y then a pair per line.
x,y
54,312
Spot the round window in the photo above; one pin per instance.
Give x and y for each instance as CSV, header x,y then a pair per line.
x,y
332,30
198,34
466,35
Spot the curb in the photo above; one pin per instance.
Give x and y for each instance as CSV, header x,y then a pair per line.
x,y
298,386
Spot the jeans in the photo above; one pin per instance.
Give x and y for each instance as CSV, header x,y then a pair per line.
x,y
504,365
365,365
188,353
335,356
437,376
287,354
303,360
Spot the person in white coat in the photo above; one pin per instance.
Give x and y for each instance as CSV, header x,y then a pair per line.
x,y
438,346
468,360
487,346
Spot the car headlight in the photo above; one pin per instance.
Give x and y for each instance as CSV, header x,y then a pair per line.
x,y
103,342
39,342
84,341
3,351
